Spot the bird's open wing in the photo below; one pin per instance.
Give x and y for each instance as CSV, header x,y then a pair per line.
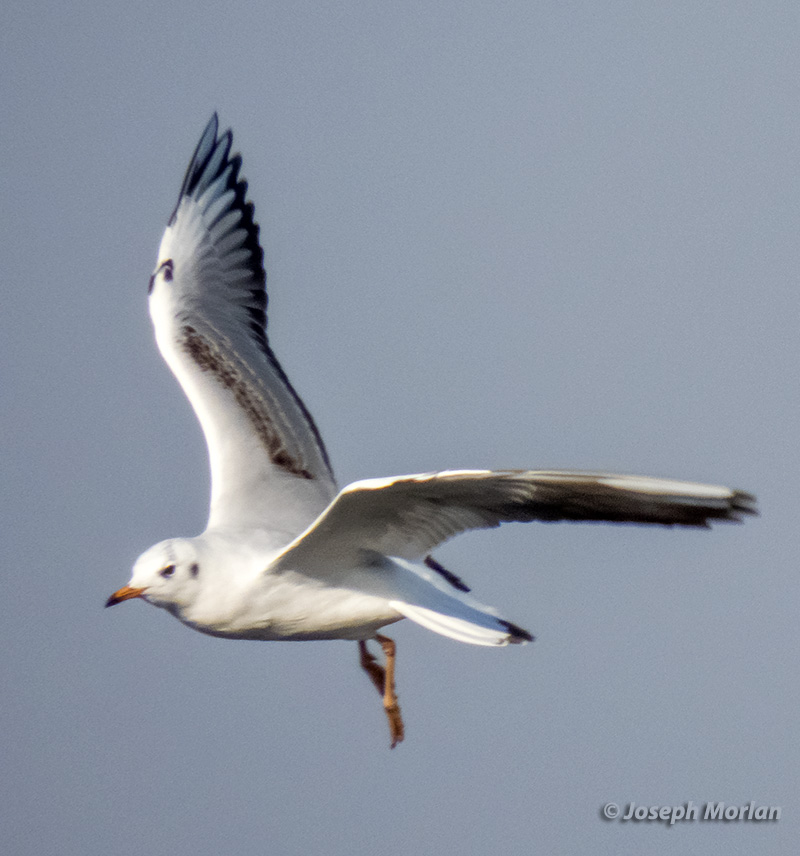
x,y
407,516
208,305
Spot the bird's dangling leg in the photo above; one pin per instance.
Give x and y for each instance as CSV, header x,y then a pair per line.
x,y
383,680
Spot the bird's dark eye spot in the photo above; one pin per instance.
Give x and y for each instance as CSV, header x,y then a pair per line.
x,y
167,269
194,570
168,571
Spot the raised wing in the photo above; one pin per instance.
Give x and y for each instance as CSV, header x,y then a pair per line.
x,y
408,516
208,304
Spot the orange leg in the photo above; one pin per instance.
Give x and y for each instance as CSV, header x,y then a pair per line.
x,y
383,680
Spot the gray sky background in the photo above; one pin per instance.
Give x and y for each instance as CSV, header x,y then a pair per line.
x,y
515,234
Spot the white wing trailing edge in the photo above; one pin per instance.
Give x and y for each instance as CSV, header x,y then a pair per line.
x,y
208,305
408,516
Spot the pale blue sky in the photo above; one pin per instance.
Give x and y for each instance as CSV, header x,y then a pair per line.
x,y
508,235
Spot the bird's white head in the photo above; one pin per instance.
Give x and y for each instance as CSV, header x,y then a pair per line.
x,y
166,575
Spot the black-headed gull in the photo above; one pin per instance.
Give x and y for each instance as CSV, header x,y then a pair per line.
x,y
285,556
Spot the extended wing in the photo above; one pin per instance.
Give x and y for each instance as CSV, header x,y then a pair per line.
x,y
407,516
208,305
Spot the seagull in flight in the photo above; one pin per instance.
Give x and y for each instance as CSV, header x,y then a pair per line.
x,y
286,555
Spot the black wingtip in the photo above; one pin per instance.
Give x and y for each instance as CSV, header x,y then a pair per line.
x,y
744,503
517,633
454,580
209,140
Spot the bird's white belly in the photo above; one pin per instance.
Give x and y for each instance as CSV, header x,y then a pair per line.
x,y
291,607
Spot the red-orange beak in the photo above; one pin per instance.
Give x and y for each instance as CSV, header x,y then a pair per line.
x,y
125,593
